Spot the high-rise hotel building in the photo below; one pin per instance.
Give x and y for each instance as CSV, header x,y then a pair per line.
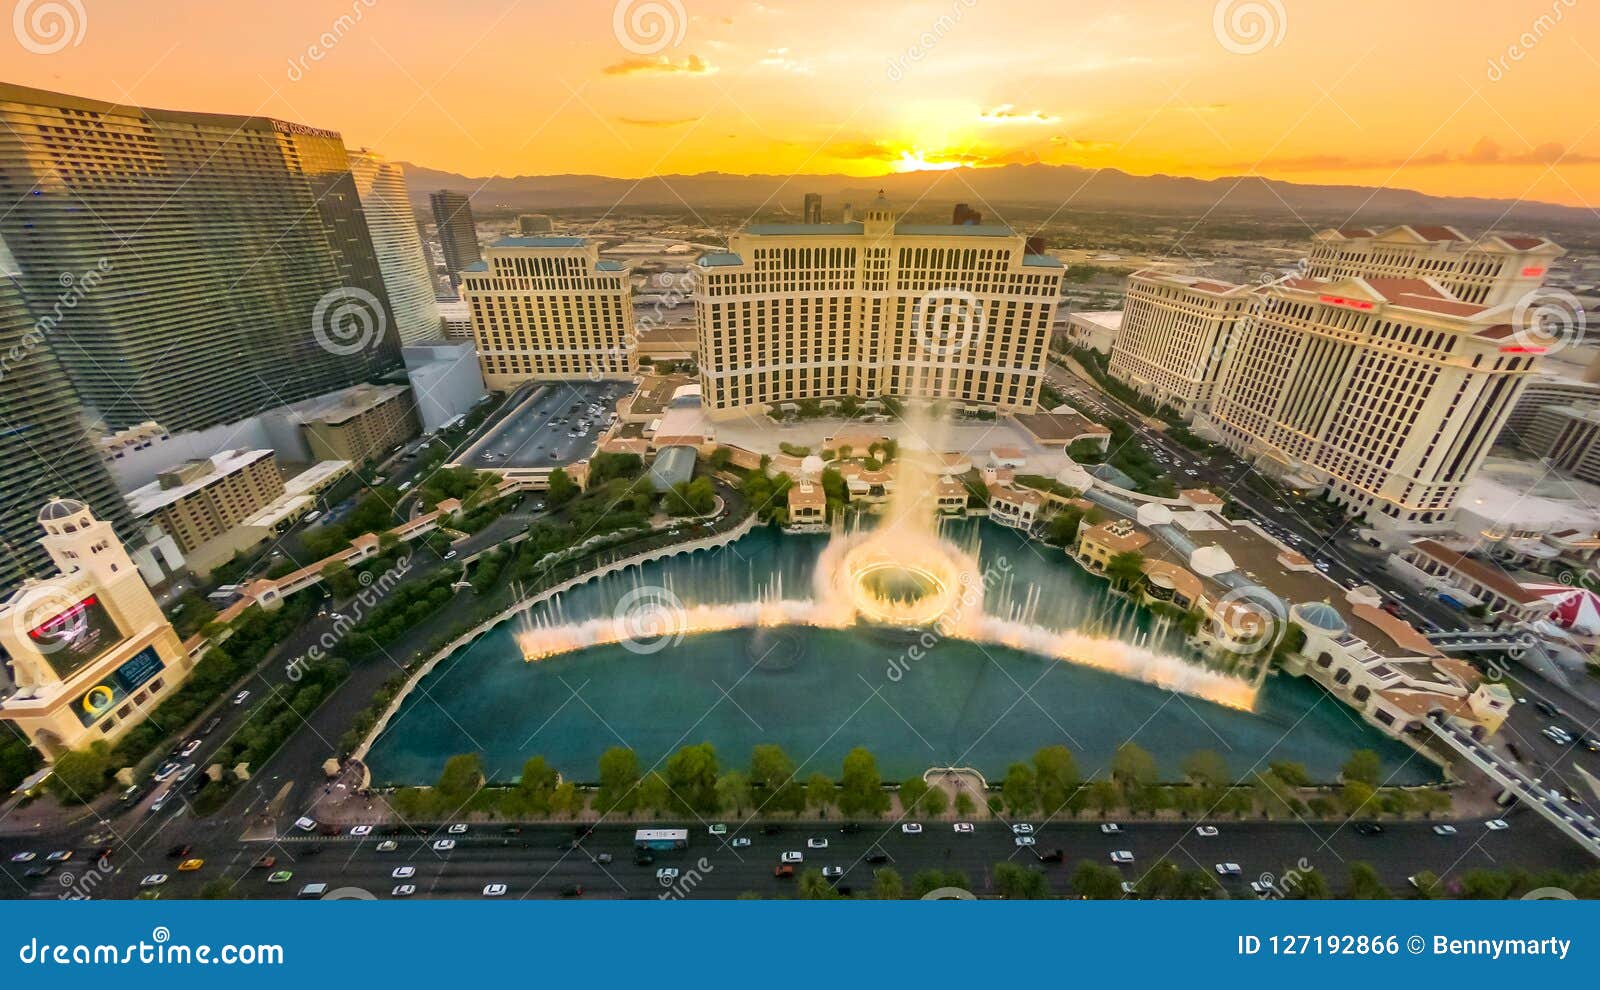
x,y
210,240
1386,392
1175,333
407,274
874,308
458,232
549,308
1490,270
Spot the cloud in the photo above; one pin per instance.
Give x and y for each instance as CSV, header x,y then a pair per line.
x,y
1485,151
778,58
1006,113
644,122
661,65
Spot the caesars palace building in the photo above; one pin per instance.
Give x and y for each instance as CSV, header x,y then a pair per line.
x,y
874,308
89,652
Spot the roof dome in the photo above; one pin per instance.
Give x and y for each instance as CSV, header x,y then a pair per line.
x,y
1321,616
60,508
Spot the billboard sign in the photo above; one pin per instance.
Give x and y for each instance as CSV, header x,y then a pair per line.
x,y
99,700
69,634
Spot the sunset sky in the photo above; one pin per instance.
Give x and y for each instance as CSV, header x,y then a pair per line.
x,y
1467,99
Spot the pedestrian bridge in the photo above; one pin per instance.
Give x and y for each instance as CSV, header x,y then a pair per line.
x,y
1561,813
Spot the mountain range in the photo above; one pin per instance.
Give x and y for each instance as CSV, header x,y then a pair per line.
x,y
1048,186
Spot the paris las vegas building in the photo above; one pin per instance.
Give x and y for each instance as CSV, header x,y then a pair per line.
x,y
874,308
1382,377
88,652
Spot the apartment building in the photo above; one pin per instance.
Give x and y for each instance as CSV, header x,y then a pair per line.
x,y
458,232
1174,335
407,273
358,424
201,500
549,308
874,308
1488,270
1385,392
1568,439
185,259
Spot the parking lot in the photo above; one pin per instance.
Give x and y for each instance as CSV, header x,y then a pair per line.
x,y
550,428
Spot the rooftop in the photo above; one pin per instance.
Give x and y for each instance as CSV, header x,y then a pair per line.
x,y
539,242
153,497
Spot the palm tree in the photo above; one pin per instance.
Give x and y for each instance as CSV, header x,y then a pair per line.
x,y
1125,569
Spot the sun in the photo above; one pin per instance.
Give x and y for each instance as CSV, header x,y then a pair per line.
x,y
917,161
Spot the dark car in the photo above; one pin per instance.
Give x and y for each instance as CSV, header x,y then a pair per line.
x,y
1051,855
850,828
511,830
179,852
771,829
1545,708
643,858
576,890
1369,828
211,725
877,856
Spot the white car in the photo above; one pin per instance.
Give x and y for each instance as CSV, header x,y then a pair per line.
x,y
403,890
1497,825
742,842
443,845
1110,828
1022,828
403,873
153,880
388,846
240,698
1444,830
718,829
361,830
458,828
792,856
816,843
964,828
1025,840
1122,857
1228,869
911,828
1208,831
189,748
494,890
24,857
833,872
305,824
667,873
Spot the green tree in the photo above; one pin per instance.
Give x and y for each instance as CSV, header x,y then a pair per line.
x,y
912,790
935,802
1056,774
1125,569
1019,883
691,774
79,774
1357,797
1207,768
1132,767
565,800
820,793
1305,885
861,787
812,886
965,806
1426,885
886,884
562,489
539,780
733,791
1096,882
619,780
461,778
1292,774
653,794
1364,766
772,780
1062,530
1365,884
1020,790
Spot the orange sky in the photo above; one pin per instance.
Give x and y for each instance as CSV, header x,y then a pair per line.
x,y
1461,98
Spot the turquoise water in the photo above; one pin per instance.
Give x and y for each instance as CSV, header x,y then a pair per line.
x,y
818,693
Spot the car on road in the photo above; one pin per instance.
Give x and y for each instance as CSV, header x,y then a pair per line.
x,y
305,824
266,862
241,697
1022,828
876,855
1110,828
575,890
604,859
165,770
1497,825
1444,830
1369,828
459,828
403,873
667,874
211,725
443,845
179,851
153,880
832,872
494,890
783,872
388,846
361,830
281,876
964,828
1122,857
717,829
793,856
1050,855
1261,890
816,843
184,774
403,890
1208,831
24,857
189,748
1228,870
911,828
771,828
190,865
1025,840
741,842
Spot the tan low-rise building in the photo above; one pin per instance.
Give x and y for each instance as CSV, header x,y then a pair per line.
x,y
808,508
358,424
202,503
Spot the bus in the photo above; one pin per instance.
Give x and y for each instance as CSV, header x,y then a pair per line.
x,y
660,839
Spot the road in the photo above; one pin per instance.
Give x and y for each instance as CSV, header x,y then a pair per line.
x,y
539,432
537,863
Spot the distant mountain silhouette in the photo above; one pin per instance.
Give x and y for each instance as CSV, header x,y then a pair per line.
x,y
1042,185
